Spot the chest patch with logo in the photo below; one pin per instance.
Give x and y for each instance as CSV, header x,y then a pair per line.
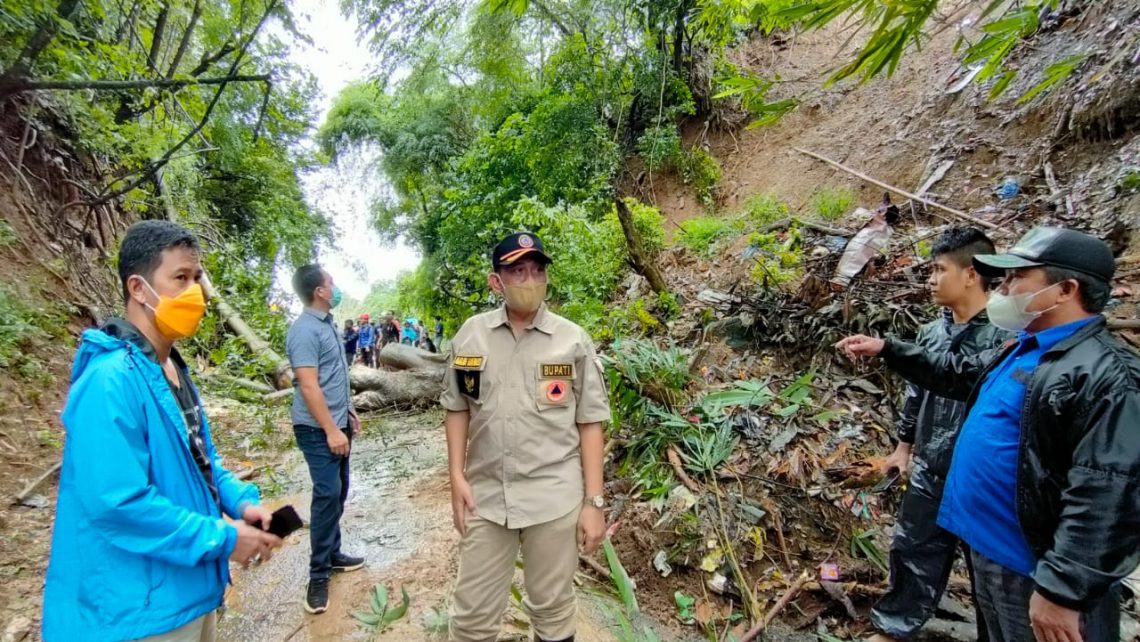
x,y
557,370
556,390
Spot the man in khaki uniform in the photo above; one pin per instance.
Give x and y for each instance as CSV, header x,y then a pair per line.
x,y
525,403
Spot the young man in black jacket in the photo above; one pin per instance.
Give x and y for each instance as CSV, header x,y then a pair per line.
x,y
922,552
1044,485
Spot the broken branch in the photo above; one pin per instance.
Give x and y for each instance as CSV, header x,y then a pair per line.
x,y
23,494
780,604
915,197
675,462
120,85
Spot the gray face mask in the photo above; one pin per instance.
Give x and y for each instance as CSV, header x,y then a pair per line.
x,y
1008,311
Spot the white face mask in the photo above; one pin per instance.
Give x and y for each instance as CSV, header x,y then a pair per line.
x,y
1008,311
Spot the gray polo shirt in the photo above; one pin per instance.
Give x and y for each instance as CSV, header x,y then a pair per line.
x,y
315,341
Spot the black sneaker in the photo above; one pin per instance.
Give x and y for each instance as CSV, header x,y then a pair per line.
x,y
342,563
317,598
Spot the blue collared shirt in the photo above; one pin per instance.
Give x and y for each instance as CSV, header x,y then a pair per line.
x,y
314,341
980,502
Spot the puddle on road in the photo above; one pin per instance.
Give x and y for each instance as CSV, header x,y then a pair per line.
x,y
395,466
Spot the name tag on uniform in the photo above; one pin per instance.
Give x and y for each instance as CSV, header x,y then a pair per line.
x,y
557,370
468,371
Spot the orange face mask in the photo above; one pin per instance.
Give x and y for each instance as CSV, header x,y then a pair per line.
x,y
178,317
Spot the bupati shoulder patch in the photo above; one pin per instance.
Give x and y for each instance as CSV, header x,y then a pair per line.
x,y
471,363
557,370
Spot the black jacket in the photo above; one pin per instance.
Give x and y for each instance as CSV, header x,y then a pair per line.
x,y
1078,477
928,421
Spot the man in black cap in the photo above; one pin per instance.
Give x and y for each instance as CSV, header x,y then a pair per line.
x,y
525,403
1044,485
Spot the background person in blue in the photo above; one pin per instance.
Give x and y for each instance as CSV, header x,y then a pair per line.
x,y
140,548
1044,484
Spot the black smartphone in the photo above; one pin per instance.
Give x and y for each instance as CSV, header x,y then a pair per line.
x,y
883,486
285,522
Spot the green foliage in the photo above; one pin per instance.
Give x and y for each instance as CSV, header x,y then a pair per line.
x,y
7,234
701,171
863,545
752,91
660,147
23,329
378,616
1129,179
1054,74
779,257
762,209
229,154
832,203
700,234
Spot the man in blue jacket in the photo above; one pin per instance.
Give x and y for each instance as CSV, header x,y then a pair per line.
x,y
140,550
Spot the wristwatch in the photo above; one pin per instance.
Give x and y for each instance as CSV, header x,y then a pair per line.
x,y
597,501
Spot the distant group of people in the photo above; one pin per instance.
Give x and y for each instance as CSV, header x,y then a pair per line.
x,y
366,337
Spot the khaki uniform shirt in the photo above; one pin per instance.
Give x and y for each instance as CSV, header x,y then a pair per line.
x,y
526,398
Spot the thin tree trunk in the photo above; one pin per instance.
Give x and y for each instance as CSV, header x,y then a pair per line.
x,y
35,45
156,40
638,257
679,39
227,313
186,35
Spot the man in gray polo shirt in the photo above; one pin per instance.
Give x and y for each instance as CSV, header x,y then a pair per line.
x,y
323,422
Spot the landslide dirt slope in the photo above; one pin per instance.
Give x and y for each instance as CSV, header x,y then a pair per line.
x,y
899,129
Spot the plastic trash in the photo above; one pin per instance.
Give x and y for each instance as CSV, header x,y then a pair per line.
x,y
1009,188
866,244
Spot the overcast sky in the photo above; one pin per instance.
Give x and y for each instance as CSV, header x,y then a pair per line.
x,y
356,258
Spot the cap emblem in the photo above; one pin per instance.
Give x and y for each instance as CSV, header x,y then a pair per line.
x,y
526,241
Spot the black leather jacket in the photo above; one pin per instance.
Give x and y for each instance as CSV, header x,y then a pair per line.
x,y
1078,477
929,421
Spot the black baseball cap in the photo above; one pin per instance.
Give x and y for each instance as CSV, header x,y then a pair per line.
x,y
517,246
1054,247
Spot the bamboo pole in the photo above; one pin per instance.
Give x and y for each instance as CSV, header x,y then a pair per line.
x,y
914,197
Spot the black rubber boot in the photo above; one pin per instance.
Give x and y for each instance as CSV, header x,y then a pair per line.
x,y
538,639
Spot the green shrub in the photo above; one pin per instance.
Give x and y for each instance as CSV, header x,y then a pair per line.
x,y
832,203
700,171
701,233
660,147
779,258
22,328
762,209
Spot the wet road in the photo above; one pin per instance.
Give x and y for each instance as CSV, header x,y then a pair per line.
x,y
397,517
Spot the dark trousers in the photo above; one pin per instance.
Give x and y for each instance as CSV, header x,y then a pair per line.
x,y
1004,599
329,473
922,556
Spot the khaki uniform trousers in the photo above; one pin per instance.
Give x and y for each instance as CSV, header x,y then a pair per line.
x,y
203,629
487,555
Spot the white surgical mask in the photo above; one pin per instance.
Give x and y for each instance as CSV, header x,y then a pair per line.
x,y
1008,312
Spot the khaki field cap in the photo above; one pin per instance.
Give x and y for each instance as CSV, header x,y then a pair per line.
x,y
1054,247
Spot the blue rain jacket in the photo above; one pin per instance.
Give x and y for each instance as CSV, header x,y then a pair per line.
x,y
139,546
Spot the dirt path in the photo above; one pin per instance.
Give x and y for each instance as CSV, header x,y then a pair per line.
x,y
398,517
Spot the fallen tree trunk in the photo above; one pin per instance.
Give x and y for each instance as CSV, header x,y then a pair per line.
x,y
403,389
405,357
638,257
